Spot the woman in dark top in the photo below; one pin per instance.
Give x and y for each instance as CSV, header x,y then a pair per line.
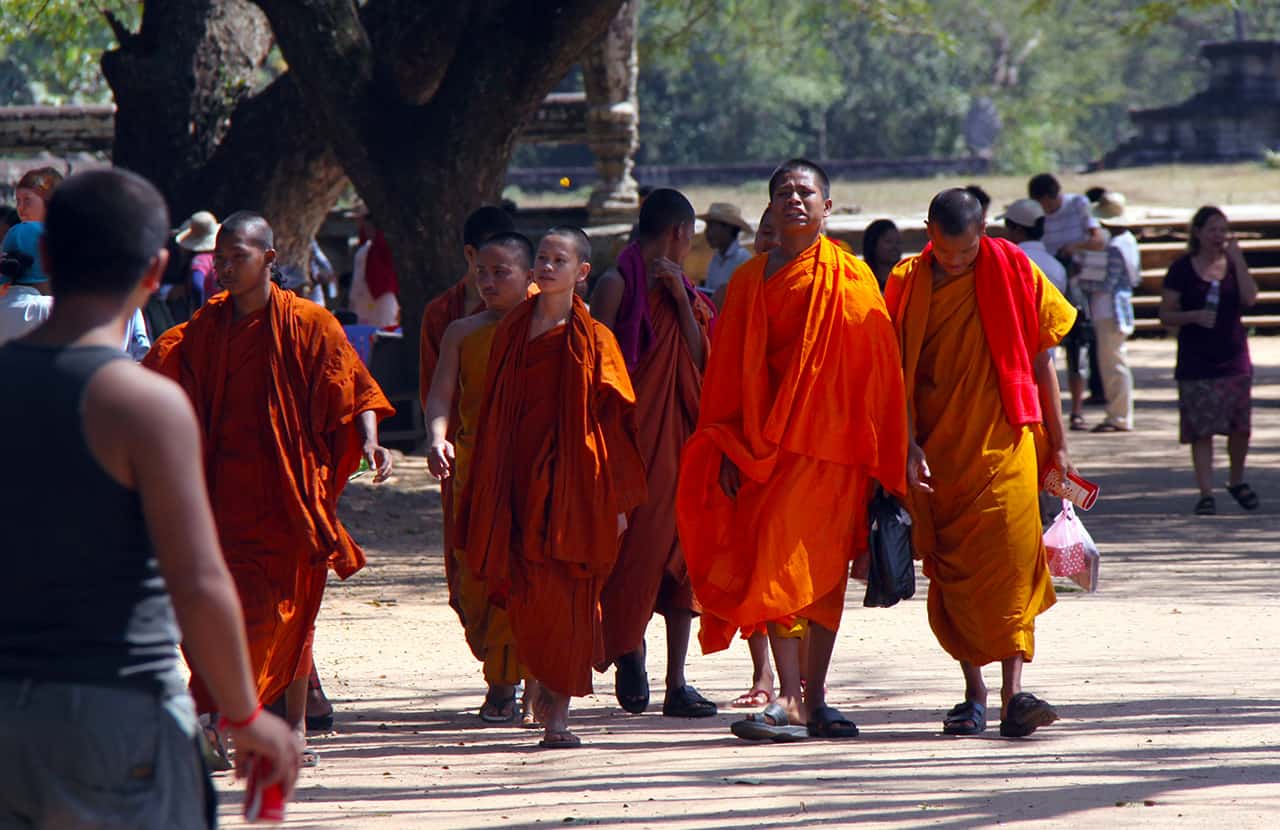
x,y
1205,292
881,248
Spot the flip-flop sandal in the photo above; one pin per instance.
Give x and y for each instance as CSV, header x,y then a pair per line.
x,y
216,757
560,740
320,723
685,702
1244,495
966,718
631,683
827,722
1025,714
1206,506
753,699
769,725
1107,426
310,758
529,720
491,710
1078,423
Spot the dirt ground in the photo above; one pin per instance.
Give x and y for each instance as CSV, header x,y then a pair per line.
x,y
1167,681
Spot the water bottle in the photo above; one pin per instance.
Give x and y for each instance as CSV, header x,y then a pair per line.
x,y
1211,302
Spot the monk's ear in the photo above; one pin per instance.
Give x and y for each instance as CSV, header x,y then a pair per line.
x,y
826,209
469,252
269,256
584,270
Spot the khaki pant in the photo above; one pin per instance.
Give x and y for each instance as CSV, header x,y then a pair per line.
x,y
1117,380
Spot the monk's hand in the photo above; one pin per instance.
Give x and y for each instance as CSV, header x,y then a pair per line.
x,y
730,477
268,736
918,474
1062,460
622,524
440,460
379,459
671,275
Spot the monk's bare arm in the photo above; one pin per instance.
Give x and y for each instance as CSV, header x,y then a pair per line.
x,y
691,331
444,385
143,431
607,297
1051,409
376,454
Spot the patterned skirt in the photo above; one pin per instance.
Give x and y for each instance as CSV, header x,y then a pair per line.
x,y
1215,406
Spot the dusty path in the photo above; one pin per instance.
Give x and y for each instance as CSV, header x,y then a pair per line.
x,y
1168,683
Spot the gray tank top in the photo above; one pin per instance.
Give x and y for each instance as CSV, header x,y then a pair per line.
x,y
84,602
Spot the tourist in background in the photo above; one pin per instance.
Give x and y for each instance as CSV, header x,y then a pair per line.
x,y
1024,226
881,248
1111,309
724,225
1205,293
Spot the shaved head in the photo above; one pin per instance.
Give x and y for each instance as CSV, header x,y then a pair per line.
x,y
577,238
255,229
955,211
797,165
663,209
485,223
517,243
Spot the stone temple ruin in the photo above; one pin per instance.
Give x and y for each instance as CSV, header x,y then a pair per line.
x,y
1236,118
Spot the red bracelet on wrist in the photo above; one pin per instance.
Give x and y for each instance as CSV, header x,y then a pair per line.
x,y
225,723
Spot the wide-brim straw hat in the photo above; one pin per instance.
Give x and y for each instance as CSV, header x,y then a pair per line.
x,y
1112,209
200,232
728,214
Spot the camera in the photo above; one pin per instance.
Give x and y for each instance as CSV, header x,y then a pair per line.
x,y
13,264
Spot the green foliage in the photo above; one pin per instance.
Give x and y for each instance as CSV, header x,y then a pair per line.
x,y
56,44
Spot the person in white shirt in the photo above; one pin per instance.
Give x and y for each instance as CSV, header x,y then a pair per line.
x,y
22,307
1111,309
724,225
1024,225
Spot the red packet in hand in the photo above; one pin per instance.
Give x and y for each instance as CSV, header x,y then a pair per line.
x,y
1079,491
262,803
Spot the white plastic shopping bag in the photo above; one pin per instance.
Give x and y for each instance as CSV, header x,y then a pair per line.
x,y
1072,552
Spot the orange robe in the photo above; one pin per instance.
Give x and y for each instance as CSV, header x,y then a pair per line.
x,y
650,575
803,392
979,533
277,394
487,627
554,464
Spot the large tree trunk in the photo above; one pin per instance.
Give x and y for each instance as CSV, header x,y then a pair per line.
x,y
423,102
187,119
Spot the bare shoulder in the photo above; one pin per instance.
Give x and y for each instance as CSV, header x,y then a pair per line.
x,y
459,329
127,400
610,282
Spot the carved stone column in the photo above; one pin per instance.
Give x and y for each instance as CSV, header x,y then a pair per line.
x,y
609,71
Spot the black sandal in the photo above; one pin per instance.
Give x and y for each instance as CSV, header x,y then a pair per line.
x,y
685,702
1244,495
827,722
1078,423
631,682
1206,506
965,719
1025,714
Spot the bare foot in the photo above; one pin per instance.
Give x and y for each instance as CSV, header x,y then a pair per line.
x,y
553,710
532,689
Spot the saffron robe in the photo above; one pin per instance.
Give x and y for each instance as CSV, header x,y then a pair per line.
x,y
650,574
277,394
803,392
487,627
554,464
979,533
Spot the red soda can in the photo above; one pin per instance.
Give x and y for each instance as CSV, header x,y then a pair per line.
x,y
1079,491
262,803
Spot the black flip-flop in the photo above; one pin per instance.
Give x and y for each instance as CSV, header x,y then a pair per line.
x,y
1078,423
827,722
497,706
685,702
561,740
1025,714
966,718
1244,495
631,682
768,725
1206,506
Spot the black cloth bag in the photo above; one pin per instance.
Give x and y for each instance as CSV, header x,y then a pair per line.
x,y
892,573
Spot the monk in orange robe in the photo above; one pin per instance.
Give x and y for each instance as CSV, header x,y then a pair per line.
x,y
662,325
976,322
802,414
287,410
462,300
503,272
554,475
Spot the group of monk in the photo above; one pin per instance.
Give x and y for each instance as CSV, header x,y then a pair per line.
x,y
642,455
